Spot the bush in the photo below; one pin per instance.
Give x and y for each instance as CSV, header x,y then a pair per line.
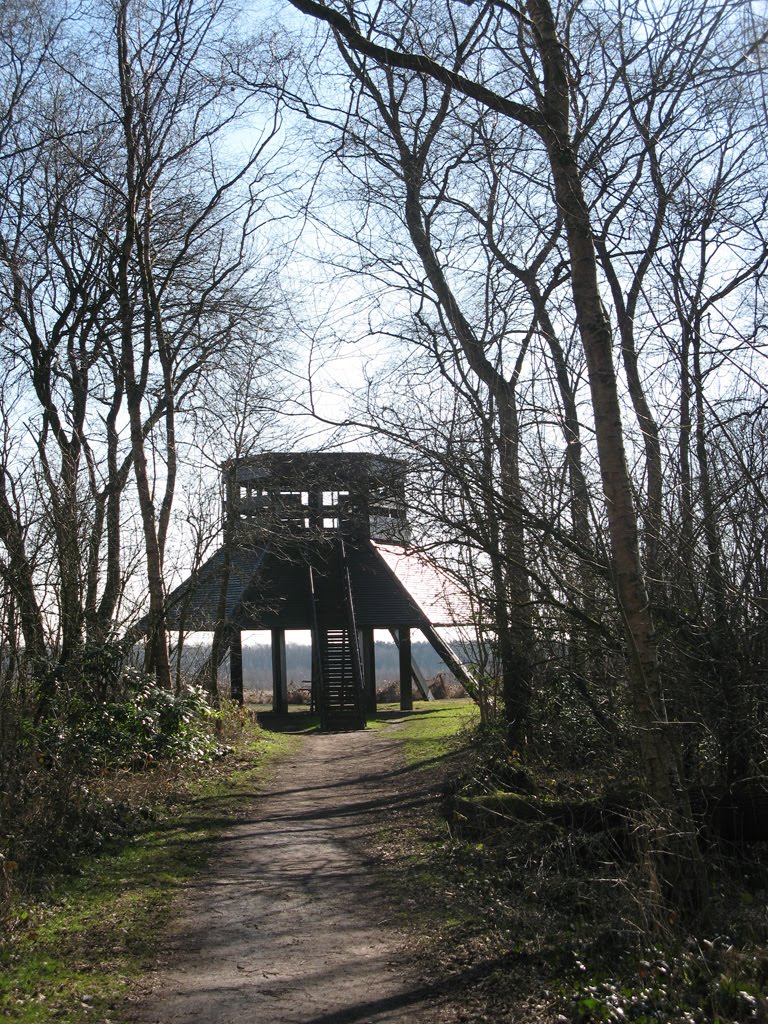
x,y
103,718
143,724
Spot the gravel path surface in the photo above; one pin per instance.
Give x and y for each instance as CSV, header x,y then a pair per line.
x,y
291,924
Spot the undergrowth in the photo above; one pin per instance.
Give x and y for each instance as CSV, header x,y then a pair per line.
x,y
75,941
537,918
105,721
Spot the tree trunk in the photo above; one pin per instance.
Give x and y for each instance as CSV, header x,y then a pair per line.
x,y
722,643
658,749
156,659
20,579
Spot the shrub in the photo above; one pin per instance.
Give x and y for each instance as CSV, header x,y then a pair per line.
x,y
103,717
144,723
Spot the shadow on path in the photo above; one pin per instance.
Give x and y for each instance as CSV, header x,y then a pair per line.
x,y
291,923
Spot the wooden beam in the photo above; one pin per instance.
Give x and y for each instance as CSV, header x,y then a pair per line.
x,y
406,669
279,673
368,651
418,675
236,667
462,672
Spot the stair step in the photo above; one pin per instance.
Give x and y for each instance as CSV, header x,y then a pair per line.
x,y
340,699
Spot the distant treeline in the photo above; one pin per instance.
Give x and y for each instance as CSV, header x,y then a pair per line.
x,y
257,662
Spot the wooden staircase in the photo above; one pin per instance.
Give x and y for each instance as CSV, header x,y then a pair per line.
x,y
340,706
338,669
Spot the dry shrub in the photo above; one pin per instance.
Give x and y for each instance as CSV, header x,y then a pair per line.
x,y
301,695
388,691
442,686
259,697
445,687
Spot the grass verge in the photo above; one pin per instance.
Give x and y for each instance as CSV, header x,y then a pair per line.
x,y
78,944
430,731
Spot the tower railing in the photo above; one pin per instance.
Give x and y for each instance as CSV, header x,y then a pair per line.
x,y
351,494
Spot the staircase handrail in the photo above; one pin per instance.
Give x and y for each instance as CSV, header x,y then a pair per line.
x,y
318,653
354,646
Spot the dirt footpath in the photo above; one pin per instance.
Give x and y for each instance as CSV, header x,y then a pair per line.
x,y
290,924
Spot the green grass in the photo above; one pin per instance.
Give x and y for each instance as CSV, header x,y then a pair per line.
x,y
427,731
75,949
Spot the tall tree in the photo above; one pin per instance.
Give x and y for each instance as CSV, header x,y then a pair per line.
x,y
526,51
128,269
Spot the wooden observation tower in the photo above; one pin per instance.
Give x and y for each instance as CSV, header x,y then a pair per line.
x,y
318,541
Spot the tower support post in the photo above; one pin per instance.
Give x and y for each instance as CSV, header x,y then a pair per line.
x,y
236,667
279,673
406,669
368,652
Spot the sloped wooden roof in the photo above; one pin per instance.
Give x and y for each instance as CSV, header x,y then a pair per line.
x,y
437,596
269,588
196,603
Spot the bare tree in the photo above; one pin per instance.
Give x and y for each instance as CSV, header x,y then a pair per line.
x,y
174,104
127,273
527,50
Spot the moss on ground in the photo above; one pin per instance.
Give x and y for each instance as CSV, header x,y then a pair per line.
x,y
537,919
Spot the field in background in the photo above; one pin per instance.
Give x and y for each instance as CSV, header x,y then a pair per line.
x,y
257,664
